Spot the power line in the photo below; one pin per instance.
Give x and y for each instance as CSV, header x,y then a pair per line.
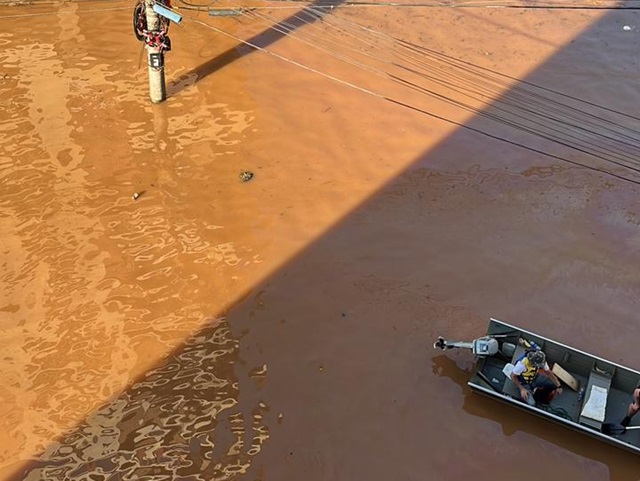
x,y
526,107
586,145
479,4
421,110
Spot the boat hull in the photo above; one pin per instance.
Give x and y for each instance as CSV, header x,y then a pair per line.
x,y
567,409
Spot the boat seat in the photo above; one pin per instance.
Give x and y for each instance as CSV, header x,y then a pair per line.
x,y
594,405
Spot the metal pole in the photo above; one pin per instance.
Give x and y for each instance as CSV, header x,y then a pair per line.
x,y
155,58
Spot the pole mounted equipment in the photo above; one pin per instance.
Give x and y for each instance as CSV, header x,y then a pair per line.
x,y
151,21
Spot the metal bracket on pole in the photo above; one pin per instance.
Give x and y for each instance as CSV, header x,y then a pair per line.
x,y
165,12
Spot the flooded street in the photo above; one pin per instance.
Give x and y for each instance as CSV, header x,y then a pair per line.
x,y
282,328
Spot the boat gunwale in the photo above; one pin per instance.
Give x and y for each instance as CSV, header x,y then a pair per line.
x,y
515,328
545,414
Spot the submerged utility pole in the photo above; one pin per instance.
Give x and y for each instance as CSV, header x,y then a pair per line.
x,y
150,25
155,54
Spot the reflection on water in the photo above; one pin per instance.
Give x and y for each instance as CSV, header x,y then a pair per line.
x,y
623,466
96,286
181,421
178,126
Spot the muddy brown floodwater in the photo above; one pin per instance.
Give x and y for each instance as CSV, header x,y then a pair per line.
x,y
281,328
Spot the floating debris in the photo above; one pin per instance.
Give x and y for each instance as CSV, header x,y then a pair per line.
x,y
246,176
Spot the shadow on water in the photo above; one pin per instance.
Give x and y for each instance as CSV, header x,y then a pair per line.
x,y
261,40
623,466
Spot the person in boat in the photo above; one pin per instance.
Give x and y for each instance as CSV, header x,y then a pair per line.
x,y
536,382
634,407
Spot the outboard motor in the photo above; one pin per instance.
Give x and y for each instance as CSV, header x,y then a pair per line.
x,y
482,346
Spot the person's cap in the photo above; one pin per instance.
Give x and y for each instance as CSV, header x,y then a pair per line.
x,y
537,358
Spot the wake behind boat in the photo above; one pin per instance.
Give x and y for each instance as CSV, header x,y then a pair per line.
x,y
596,392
